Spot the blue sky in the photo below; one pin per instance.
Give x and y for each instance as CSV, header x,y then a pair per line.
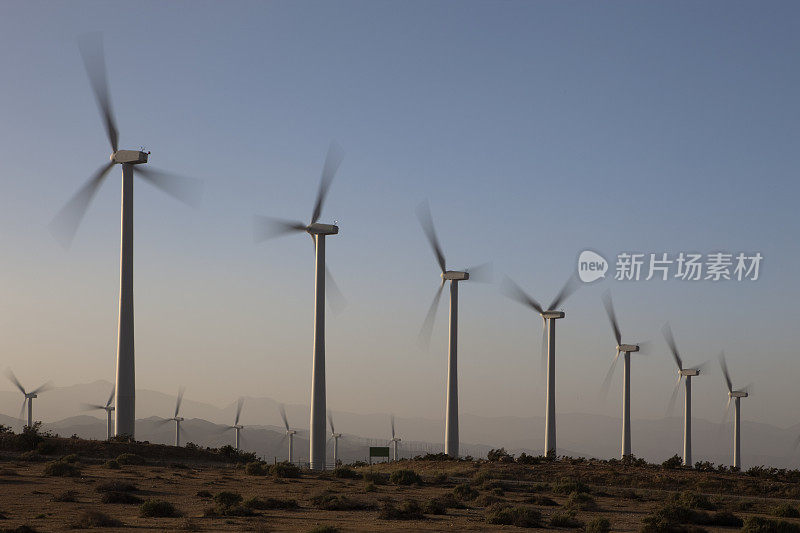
x,y
535,129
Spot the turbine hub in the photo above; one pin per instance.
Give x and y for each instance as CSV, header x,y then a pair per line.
x,y
455,275
322,229
628,348
689,372
133,157
553,314
738,394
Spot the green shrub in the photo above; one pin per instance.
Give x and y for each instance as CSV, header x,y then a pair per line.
x,y
405,477
504,514
130,459
90,519
158,509
435,506
66,496
116,485
567,486
285,470
440,479
673,462
465,492
71,458
61,469
598,525
499,455
485,500
565,519
692,500
757,524
204,494
256,468
32,456
112,464
541,500
329,501
375,477
408,510
581,501
228,499
271,503
345,472
120,497
786,510
525,459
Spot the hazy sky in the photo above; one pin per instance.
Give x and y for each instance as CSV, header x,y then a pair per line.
x,y
535,129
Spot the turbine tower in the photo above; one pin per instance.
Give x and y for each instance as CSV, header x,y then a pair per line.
x,y
549,317
736,396
335,436
236,426
626,350
395,440
177,419
108,408
27,396
266,228
479,273
65,224
289,433
688,374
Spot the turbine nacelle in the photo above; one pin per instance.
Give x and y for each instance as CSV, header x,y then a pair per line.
x,y
689,372
132,157
553,314
738,394
31,395
455,275
177,419
628,348
322,229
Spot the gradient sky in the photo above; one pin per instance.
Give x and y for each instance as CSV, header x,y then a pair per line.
x,y
535,129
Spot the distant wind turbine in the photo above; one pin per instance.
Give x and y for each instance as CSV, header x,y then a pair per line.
x,y
236,426
289,433
175,418
27,396
335,436
395,440
108,408
736,396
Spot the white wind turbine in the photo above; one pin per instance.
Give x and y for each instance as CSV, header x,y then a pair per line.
x,y
175,418
108,408
549,317
736,396
625,349
65,224
335,436
236,426
479,273
267,228
289,433
687,374
27,396
395,440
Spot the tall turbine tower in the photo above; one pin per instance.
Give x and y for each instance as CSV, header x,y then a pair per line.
x,y
66,223
266,228
236,426
108,408
688,374
625,349
736,396
27,396
335,436
549,318
479,273
289,433
395,440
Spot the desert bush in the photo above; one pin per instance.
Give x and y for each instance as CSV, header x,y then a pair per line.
x,y
46,448
90,519
504,514
32,456
120,497
130,459
405,477
465,492
525,459
598,525
786,510
66,496
725,519
629,494
30,437
408,510
692,500
375,477
329,501
61,469
541,500
673,462
285,470
116,485
204,494
435,506
345,472
324,529
568,486
158,509
71,458
581,501
485,500
256,468
705,466
499,455
270,503
440,479
370,487
565,519
228,503
112,464
228,499
757,524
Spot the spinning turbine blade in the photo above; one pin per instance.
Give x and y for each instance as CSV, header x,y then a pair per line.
x,y
10,375
239,405
268,228
66,222
671,404
330,421
427,326
609,375
42,388
92,406
180,399
515,292
566,291
333,295
332,162
725,373
543,365
283,416
667,331
426,221
183,189
91,48
612,317
796,443
481,273
111,396
392,420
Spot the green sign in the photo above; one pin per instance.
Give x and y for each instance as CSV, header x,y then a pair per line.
x,y
379,451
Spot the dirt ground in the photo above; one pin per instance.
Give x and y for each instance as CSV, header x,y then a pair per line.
x,y
622,495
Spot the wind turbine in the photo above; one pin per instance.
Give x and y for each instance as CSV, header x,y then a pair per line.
x,y
335,436
736,396
549,317
27,396
177,419
268,227
65,224
236,426
108,408
626,350
289,432
479,273
688,374
395,440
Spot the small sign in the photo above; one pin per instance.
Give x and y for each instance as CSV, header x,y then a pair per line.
x,y
379,451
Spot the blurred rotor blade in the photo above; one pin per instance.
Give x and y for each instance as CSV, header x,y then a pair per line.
x,y
66,222
10,375
183,189
748,389
427,326
667,331
163,421
268,228
566,291
392,420
181,390
283,416
724,422
725,373
239,405
91,48
796,443
43,387
111,396
332,162
330,421
543,366
612,317
333,295
609,375
426,221
91,406
671,404
702,367
481,273
21,416
645,348
515,292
